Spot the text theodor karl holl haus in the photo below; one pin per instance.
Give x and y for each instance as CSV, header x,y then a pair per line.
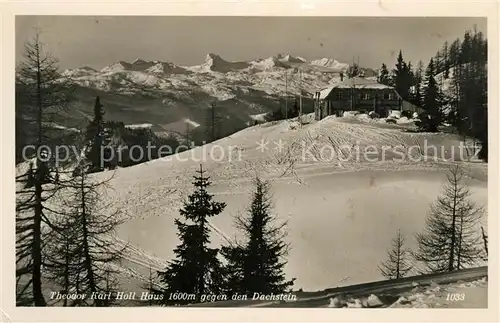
x,y
173,296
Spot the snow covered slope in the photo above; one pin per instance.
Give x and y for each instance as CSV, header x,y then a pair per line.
x,y
359,203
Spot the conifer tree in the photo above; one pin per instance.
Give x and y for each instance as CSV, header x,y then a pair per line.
x,y
234,269
446,60
41,93
432,100
95,135
455,117
397,265
353,71
383,77
466,53
196,270
411,75
402,77
450,240
469,89
454,53
256,264
480,104
438,62
417,96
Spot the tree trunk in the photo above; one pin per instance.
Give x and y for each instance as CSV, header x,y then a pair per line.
x,y
37,234
459,249
398,262
453,224
66,273
86,249
485,240
37,246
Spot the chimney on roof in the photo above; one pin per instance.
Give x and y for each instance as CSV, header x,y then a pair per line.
x,y
341,76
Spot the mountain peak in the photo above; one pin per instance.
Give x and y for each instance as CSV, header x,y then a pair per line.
x,y
330,63
212,56
159,67
81,71
117,66
269,63
88,68
293,59
139,61
216,63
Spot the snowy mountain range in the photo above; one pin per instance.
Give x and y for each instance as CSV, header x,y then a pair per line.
x,y
165,93
217,77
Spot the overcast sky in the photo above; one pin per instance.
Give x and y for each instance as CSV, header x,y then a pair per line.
x,y
99,41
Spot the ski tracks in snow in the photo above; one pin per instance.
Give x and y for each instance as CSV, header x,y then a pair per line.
x,y
157,188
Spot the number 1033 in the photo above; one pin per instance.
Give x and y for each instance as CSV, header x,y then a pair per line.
x,y
455,297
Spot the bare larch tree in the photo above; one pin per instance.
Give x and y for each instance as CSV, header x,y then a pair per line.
x,y
398,263
83,254
450,240
41,93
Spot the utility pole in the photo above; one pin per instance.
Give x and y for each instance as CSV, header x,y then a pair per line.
x,y
300,100
150,284
353,94
187,135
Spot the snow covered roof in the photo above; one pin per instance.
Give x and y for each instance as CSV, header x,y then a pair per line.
x,y
324,93
139,126
356,82
192,123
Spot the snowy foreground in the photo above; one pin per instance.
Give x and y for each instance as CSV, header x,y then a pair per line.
x,y
466,288
342,212
473,294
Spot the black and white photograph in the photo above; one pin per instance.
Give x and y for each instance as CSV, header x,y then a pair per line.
x,y
251,161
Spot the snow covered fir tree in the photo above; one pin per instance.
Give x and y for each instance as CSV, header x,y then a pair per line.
x,y
196,270
256,264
